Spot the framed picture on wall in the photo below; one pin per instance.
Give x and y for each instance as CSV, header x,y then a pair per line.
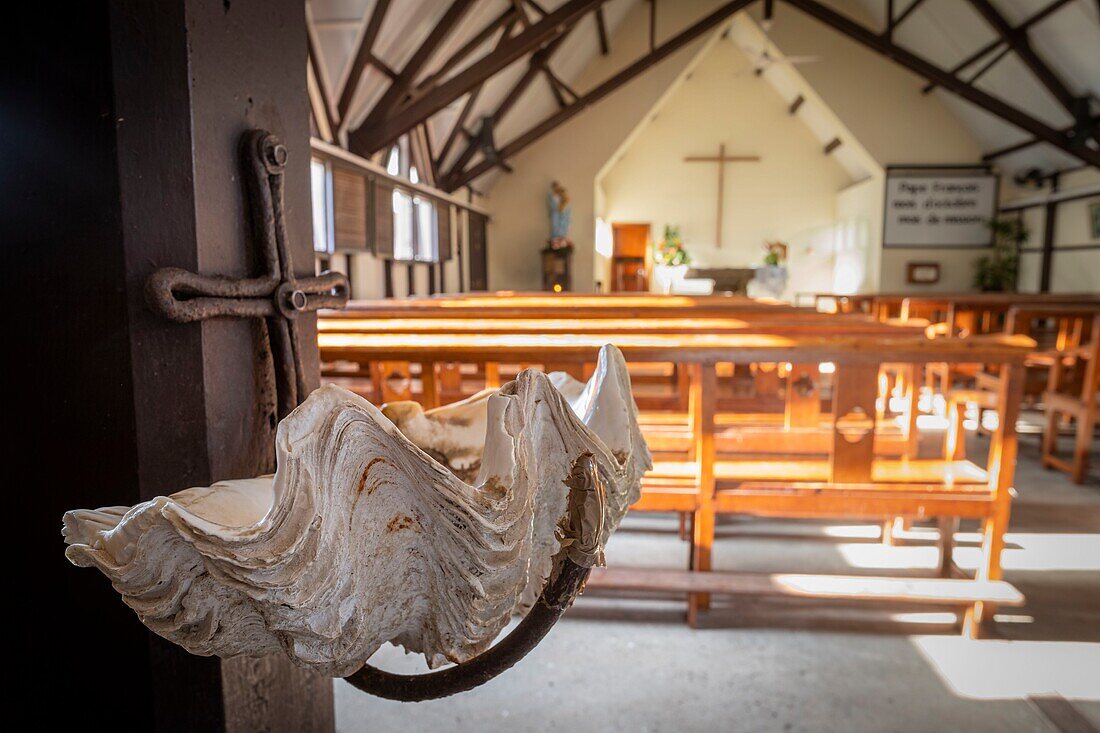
x,y
922,273
1094,219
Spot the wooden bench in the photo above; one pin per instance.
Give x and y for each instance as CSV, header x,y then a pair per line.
x,y
850,481
1052,359
1082,404
774,394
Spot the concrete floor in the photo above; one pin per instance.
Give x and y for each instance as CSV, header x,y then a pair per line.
x,y
617,664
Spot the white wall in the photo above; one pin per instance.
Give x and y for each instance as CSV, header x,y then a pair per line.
x,y
789,195
877,101
859,237
575,152
880,103
1073,270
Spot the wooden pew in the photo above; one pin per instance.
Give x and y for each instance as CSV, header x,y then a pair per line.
x,y
850,481
1079,401
799,412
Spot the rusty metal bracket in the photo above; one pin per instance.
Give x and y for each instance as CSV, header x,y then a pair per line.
x,y
276,296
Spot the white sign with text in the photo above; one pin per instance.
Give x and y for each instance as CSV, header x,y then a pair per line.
x,y
939,211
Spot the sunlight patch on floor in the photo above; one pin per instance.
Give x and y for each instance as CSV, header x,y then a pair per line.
x,y
999,670
1023,551
1029,551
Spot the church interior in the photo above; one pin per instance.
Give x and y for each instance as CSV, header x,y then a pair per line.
x,y
599,365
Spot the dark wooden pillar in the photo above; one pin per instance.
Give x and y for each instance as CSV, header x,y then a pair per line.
x,y
1050,223
129,130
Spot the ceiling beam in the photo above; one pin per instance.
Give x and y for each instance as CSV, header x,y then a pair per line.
x,y
1040,15
1023,145
364,54
318,104
652,25
1073,145
539,57
601,32
380,132
1018,41
627,74
471,100
508,17
895,22
396,91
317,84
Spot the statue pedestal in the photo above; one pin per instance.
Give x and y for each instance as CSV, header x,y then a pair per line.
x,y
557,275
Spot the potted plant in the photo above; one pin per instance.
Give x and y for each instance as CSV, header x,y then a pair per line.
x,y
670,259
997,271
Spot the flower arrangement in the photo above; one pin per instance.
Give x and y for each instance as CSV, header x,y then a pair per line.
x,y
670,250
775,253
997,272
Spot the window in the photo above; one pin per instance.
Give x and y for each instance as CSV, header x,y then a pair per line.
x,y
321,193
415,227
404,247
427,239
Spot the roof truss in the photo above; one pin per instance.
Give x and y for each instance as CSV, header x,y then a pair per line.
x,y
526,28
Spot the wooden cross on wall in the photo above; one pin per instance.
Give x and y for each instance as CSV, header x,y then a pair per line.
x,y
721,159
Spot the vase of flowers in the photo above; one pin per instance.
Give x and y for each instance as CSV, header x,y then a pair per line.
x,y
670,260
771,279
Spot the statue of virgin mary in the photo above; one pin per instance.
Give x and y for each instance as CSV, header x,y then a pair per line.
x,y
557,201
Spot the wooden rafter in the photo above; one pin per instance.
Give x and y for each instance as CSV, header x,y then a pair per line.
x,y
364,54
1024,145
508,17
1073,145
652,25
601,32
1021,46
318,107
459,178
893,21
1039,16
459,126
317,83
396,91
533,69
387,126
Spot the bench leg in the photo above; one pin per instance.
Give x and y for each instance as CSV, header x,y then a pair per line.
x,y
1082,446
948,526
703,394
702,543
980,615
954,447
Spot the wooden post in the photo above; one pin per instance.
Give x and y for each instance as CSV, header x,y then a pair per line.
x,y
853,447
912,398
1002,469
429,386
803,400
139,113
704,387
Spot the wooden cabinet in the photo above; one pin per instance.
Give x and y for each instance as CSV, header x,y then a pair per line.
x,y
629,266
